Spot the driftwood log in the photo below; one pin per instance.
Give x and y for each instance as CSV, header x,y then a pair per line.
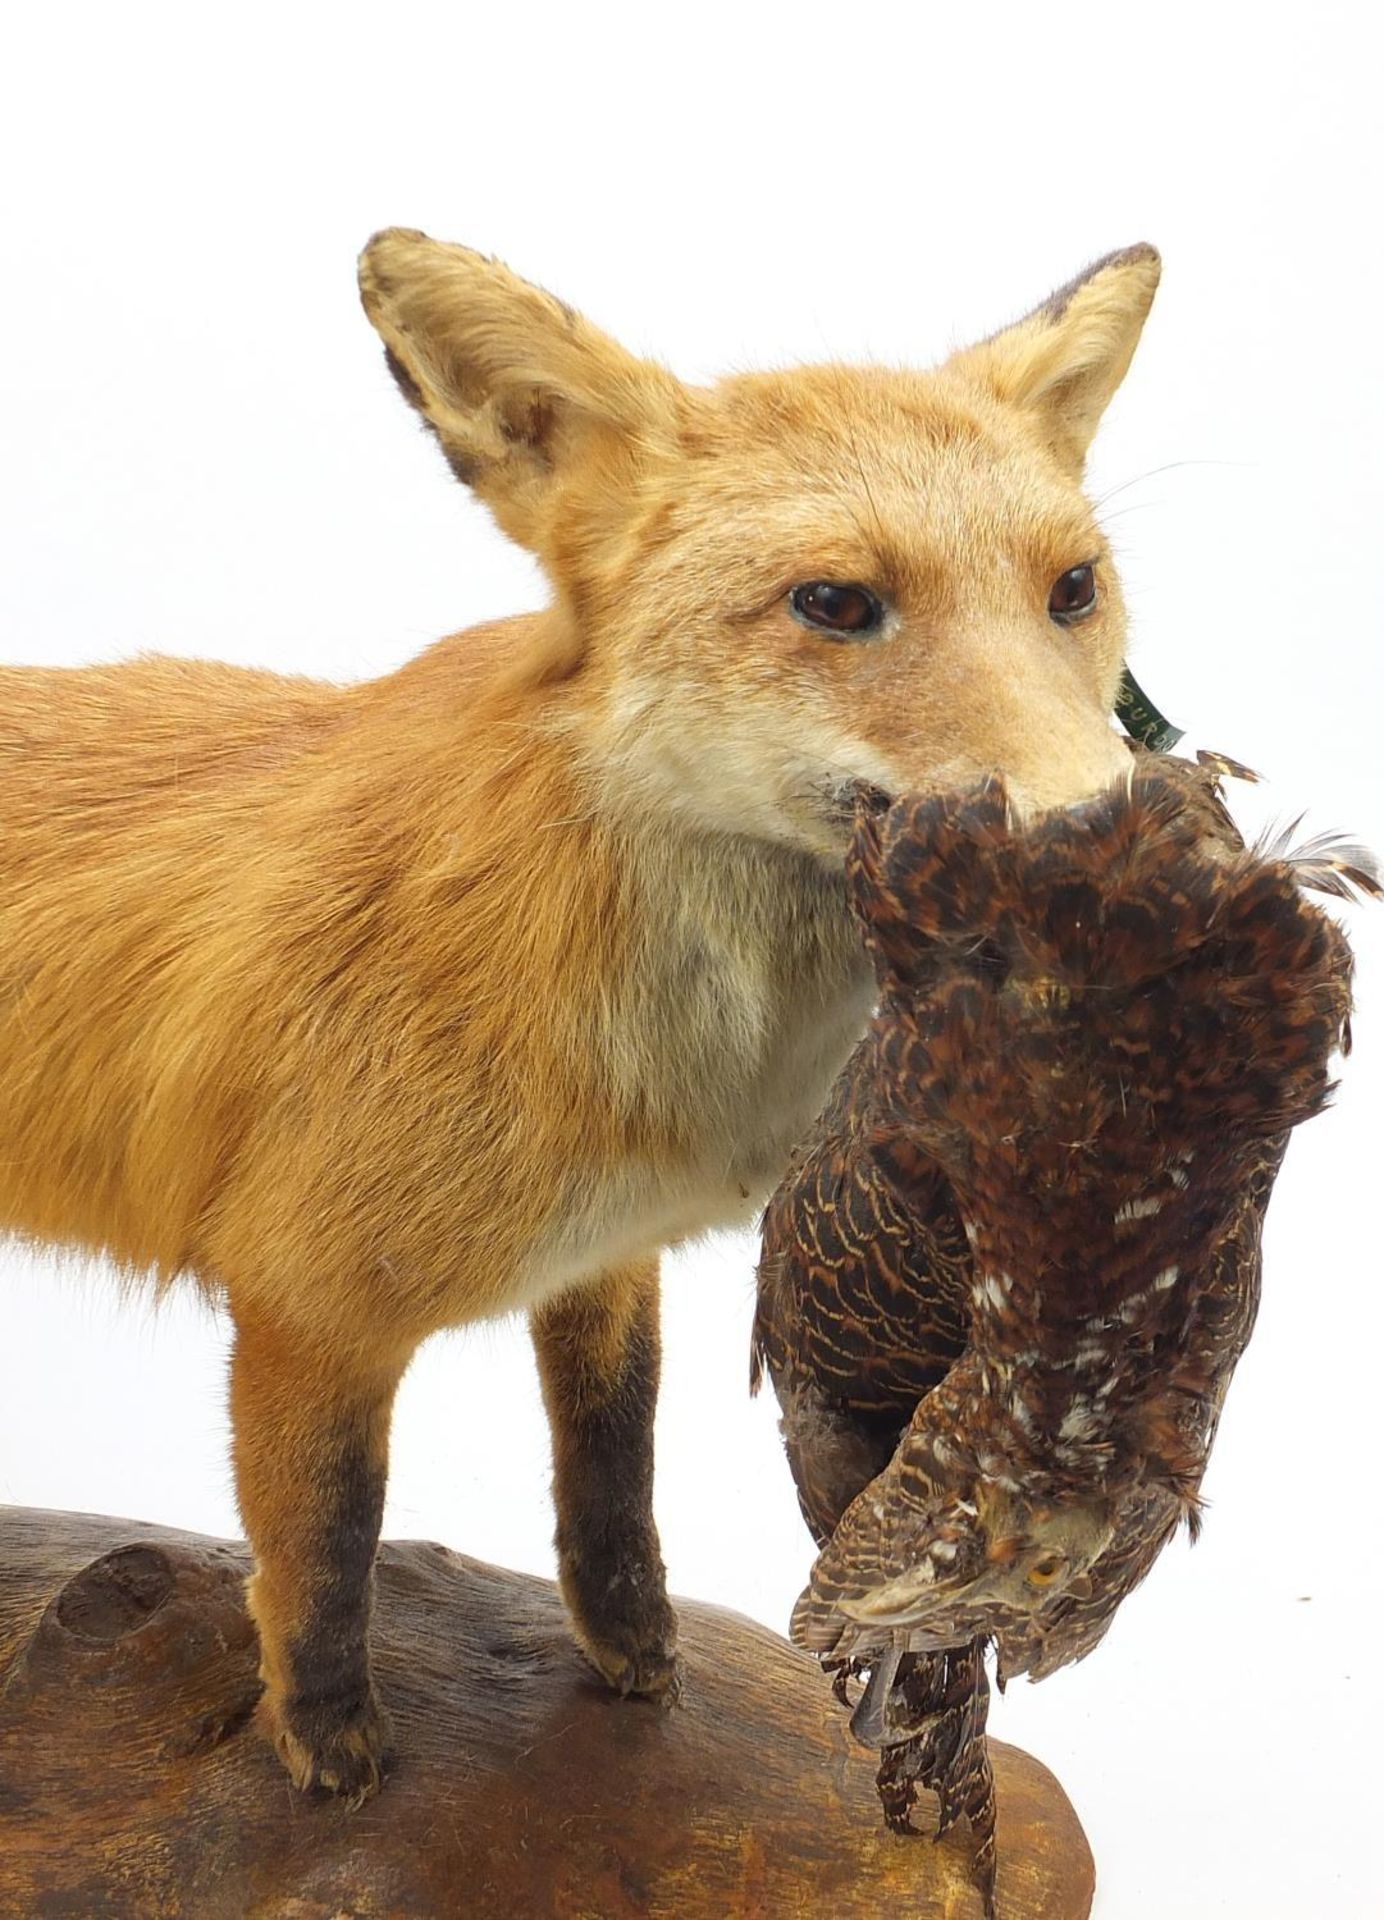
x,y
132,1782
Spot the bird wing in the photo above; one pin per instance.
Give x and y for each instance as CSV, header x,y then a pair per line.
x,y
1149,1515
861,1298
861,1313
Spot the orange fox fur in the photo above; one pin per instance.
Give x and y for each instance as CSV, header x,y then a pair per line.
x,y
381,1008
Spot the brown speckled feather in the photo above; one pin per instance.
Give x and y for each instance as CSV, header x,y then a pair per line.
x,y
1006,1281
862,1303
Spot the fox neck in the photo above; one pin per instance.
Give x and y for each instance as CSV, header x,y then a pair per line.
x,y
614,888
741,961
750,950
701,989
743,991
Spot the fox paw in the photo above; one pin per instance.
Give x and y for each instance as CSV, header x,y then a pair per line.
x,y
618,1604
631,1641
650,1672
341,1751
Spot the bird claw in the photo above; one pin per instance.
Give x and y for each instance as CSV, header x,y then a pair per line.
x,y
872,1721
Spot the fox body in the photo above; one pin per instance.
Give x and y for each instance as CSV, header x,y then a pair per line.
x,y
379,1009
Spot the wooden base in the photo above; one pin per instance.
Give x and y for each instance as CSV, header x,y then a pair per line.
x,y
132,1784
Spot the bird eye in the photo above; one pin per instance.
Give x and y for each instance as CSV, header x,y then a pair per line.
x,y
835,607
1073,595
1043,1572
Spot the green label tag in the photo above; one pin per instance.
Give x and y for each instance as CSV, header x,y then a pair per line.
x,y
1141,720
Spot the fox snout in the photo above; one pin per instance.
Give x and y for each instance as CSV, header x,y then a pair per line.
x,y
1062,771
1003,705
1047,770
1072,784
1071,774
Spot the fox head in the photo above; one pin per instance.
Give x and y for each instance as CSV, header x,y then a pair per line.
x,y
774,589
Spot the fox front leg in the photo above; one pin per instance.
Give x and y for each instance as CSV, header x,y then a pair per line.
x,y
598,1356
311,1454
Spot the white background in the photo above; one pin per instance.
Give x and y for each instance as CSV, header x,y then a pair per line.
x,y
201,453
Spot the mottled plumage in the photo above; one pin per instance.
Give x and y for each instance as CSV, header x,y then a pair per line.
x,y
1007,1279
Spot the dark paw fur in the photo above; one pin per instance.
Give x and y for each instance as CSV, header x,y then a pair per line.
x,y
629,1634
340,1749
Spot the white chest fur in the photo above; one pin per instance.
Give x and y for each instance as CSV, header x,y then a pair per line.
x,y
750,991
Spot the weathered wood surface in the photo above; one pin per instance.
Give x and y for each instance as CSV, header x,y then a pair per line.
x,y
131,1783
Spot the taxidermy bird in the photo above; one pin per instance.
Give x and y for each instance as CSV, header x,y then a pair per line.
x,y
1008,1276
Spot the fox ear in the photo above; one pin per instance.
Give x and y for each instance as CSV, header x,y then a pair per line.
x,y
524,396
1062,363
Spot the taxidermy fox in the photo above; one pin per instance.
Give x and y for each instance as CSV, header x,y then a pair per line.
x,y
379,1009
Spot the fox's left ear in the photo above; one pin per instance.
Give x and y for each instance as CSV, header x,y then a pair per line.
x,y
1062,363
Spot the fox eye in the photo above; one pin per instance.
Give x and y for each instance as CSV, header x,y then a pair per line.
x,y
835,607
1073,595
